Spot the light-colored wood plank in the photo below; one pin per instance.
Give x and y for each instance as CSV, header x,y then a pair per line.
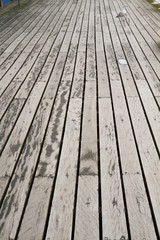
x,y
102,73
113,209
60,222
32,226
87,218
89,157
78,81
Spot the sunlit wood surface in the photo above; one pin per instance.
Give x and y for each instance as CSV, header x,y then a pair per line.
x,y
80,120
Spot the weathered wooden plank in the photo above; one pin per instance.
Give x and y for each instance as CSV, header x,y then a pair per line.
x,y
109,51
97,17
78,81
89,157
91,65
87,211
60,221
113,209
87,218
102,73
86,17
82,43
33,222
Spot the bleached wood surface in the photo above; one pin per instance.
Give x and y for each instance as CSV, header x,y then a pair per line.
x,y
79,130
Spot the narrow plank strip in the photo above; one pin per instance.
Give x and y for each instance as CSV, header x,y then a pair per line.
x,y
113,209
87,219
87,211
89,158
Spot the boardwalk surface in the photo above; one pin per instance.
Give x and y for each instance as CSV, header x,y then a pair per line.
x,y
80,121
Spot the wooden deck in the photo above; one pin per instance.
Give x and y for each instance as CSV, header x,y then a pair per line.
x,y
80,121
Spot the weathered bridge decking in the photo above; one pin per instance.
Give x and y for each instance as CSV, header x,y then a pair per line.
x,y
80,121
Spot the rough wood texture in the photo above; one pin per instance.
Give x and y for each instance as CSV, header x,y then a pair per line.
x,y
113,209
79,120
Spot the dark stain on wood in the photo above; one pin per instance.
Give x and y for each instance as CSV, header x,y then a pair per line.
x,y
114,202
22,178
49,150
78,90
89,156
111,170
43,168
138,203
9,205
87,171
57,120
15,147
9,119
4,207
1,227
13,183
